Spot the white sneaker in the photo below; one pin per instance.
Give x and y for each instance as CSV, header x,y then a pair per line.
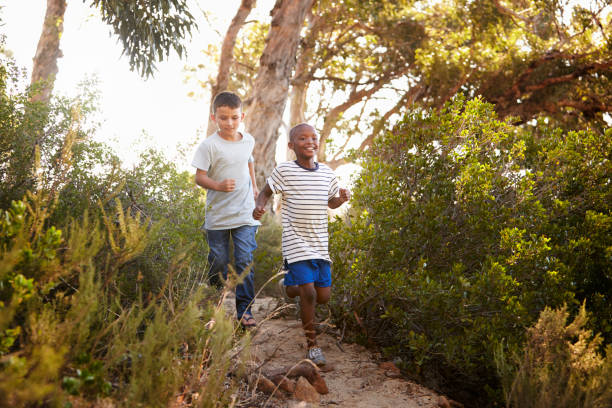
x,y
316,356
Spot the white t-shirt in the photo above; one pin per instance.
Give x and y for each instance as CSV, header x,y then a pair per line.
x,y
305,194
223,159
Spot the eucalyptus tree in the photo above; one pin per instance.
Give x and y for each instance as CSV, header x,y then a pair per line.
x,y
362,63
148,31
271,86
352,51
529,58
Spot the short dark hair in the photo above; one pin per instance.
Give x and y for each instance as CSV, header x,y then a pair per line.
x,y
228,99
294,129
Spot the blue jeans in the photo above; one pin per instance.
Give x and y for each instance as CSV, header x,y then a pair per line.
x,y
218,259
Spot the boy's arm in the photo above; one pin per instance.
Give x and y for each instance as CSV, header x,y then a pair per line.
x,y
252,173
336,202
202,180
262,200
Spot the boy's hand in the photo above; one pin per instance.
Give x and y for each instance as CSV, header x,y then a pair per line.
x,y
258,212
227,185
345,195
255,193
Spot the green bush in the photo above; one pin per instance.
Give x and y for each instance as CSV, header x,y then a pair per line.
x,y
101,269
458,240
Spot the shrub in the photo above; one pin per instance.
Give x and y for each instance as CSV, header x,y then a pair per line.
x,y
99,294
456,239
561,366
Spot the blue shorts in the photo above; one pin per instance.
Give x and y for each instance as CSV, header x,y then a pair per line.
x,y
309,271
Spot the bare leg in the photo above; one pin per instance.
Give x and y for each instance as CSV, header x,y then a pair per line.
x,y
323,294
292,291
308,301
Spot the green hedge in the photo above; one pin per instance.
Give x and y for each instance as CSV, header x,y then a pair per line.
x,y
462,229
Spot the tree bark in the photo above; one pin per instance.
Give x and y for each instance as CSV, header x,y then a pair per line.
x,y
227,54
48,51
271,87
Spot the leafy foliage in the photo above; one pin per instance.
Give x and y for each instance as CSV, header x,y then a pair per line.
x,y
148,30
531,59
561,365
101,269
476,240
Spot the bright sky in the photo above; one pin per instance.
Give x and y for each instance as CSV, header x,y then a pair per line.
x,y
129,104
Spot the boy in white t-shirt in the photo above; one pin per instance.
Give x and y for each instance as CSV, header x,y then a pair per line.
x,y
308,188
224,167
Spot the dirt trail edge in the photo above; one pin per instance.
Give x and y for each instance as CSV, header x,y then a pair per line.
x,y
355,377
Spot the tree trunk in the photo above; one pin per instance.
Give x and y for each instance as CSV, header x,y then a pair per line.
x,y
45,61
302,77
297,106
271,87
227,54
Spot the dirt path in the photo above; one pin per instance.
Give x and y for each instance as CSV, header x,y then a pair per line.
x,y
355,377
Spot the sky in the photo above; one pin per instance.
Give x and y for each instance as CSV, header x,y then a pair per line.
x,y
134,112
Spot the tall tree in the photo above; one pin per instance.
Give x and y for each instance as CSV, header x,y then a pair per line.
x,y
362,63
147,30
530,58
48,50
271,87
227,54
354,50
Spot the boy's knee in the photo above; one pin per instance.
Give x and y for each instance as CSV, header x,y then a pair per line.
x,y
217,263
308,294
242,261
323,295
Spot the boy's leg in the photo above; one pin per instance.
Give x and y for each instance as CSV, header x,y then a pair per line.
x,y
308,301
218,256
292,291
311,281
323,294
244,245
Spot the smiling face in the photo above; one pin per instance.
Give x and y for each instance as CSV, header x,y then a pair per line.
x,y
304,141
227,119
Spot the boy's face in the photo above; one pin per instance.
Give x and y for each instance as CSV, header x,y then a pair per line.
x,y
227,119
305,142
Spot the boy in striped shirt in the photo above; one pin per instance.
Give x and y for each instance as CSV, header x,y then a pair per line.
x,y
307,189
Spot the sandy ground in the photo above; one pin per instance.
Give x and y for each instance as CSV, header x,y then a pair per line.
x,y
356,377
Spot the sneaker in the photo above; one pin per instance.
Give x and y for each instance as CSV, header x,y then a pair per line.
x,y
316,356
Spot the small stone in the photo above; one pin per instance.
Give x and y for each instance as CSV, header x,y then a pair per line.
x,y
265,385
390,369
443,402
305,392
319,384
